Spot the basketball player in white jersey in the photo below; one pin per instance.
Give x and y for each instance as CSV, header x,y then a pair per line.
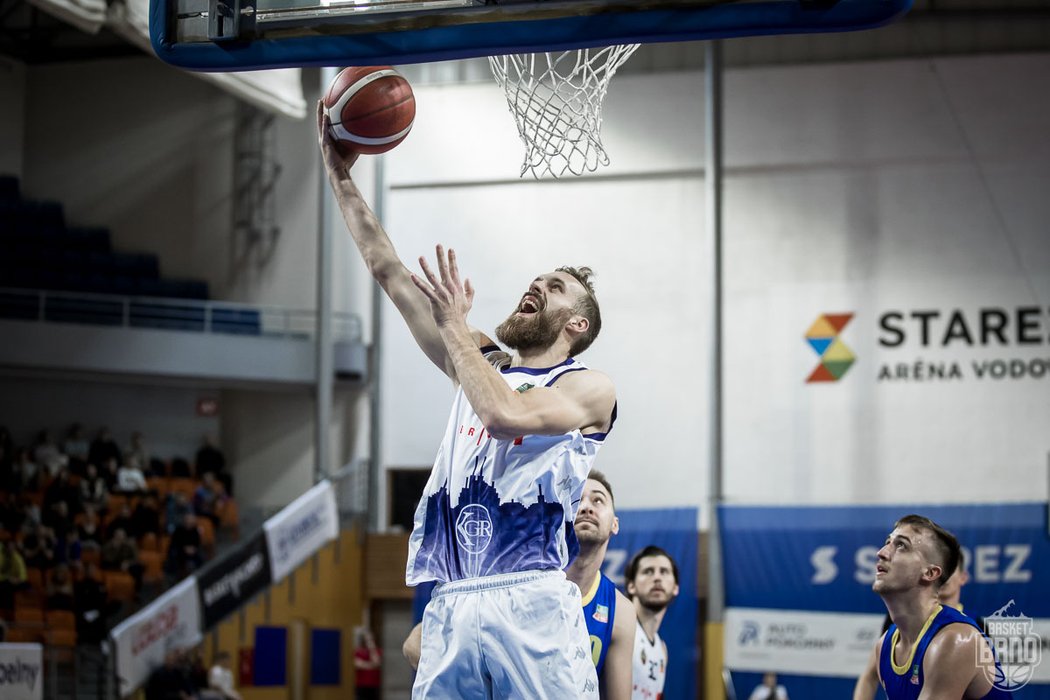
x,y
494,525
652,583
609,614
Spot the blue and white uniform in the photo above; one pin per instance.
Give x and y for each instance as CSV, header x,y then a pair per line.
x,y
494,530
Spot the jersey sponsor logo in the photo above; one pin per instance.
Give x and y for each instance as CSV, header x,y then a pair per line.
x,y
601,613
474,528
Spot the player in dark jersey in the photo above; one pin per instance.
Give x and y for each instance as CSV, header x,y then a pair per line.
x,y
931,650
609,613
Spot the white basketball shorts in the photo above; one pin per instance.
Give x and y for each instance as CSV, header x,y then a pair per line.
x,y
520,635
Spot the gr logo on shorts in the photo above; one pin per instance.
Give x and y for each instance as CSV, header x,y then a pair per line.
x,y
474,528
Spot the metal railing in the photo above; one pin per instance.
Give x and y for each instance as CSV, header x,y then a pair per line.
x,y
171,314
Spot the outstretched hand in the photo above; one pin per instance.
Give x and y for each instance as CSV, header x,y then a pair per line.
x,y
336,159
450,298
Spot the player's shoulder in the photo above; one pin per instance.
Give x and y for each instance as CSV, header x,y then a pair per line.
x,y
955,641
587,379
626,619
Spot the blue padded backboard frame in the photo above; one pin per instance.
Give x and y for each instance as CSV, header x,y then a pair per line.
x,y
520,36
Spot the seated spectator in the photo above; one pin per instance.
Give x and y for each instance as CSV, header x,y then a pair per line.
x,y
90,606
93,490
72,549
76,448
60,589
178,505
184,549
208,499
146,517
136,451
103,448
62,489
120,553
47,455
61,526
38,547
220,677
90,530
25,473
122,521
11,513
211,459
130,478
12,574
110,473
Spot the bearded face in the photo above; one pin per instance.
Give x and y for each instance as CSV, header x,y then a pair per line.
x,y
530,327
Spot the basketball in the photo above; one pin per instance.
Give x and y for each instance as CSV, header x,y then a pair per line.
x,y
370,108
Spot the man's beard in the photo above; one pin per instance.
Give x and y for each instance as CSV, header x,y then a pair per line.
x,y
535,332
655,605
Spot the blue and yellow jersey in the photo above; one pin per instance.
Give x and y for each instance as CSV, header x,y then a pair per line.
x,y
904,681
599,609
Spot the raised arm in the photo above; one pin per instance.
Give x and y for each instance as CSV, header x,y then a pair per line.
x,y
578,400
616,680
378,252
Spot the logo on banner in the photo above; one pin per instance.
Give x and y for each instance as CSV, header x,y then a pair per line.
x,y
474,528
19,672
835,356
749,633
292,536
1017,648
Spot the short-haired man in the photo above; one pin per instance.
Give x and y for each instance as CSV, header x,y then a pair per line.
x,y
609,613
931,650
652,583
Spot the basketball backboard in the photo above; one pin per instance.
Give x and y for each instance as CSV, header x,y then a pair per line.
x,y
229,35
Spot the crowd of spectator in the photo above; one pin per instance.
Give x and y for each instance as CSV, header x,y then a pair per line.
x,y
72,512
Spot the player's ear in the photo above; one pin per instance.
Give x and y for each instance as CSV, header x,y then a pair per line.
x,y
631,590
578,324
932,573
616,525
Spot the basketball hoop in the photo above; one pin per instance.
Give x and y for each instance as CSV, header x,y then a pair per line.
x,y
556,99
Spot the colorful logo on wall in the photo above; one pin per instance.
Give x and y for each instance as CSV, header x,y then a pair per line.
x,y
835,356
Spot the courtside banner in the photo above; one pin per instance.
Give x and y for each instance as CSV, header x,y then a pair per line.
x,y
232,581
798,585
21,672
301,528
172,621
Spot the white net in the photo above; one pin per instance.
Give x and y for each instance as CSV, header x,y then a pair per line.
x,y
556,99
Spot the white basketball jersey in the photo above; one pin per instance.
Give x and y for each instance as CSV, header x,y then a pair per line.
x,y
500,506
650,667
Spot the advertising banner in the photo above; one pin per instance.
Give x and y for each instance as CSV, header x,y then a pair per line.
x,y
21,672
798,587
300,529
172,621
233,581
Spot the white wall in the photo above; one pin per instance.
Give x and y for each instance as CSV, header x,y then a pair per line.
x,y
854,187
12,115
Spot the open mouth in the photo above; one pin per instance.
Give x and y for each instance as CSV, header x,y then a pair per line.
x,y
529,305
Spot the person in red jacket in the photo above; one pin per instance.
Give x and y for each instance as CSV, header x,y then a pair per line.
x,y
367,664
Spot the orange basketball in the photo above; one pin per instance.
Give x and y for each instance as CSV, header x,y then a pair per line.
x,y
371,108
